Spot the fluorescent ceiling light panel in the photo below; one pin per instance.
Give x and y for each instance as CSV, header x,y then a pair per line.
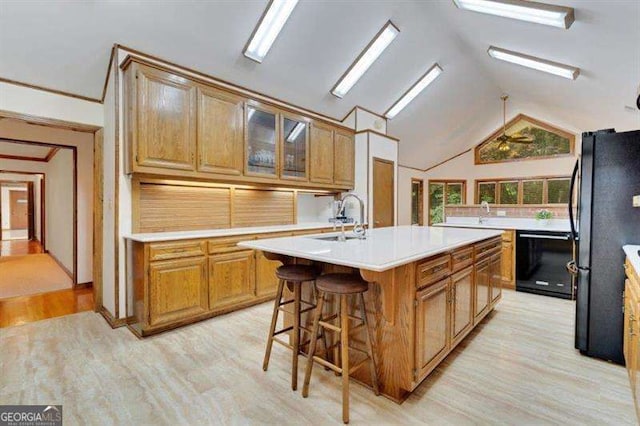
x,y
374,49
528,61
539,13
414,90
268,28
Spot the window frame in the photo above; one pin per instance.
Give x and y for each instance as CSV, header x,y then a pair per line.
x,y
545,126
497,181
420,206
445,195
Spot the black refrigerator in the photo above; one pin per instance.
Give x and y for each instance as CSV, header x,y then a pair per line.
x,y
606,220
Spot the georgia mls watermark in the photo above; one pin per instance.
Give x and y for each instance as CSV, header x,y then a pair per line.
x,y
30,415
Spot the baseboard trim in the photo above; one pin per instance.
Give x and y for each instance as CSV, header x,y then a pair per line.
x,y
64,268
88,284
113,322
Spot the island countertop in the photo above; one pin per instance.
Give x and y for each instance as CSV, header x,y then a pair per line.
x,y
383,249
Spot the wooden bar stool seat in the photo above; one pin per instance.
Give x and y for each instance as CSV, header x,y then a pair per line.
x,y
294,276
341,286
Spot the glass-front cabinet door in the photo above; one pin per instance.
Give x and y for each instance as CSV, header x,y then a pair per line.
x,y
262,142
295,138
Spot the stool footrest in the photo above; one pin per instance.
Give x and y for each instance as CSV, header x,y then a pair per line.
x,y
302,311
284,330
283,343
327,364
330,326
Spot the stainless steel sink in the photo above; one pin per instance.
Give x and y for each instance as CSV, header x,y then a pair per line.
x,y
334,238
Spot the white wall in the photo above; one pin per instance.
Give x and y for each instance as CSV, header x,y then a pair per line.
x,y
29,101
59,208
13,129
364,120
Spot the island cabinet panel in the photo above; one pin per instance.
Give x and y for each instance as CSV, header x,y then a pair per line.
x,y
220,132
266,280
321,151
482,283
231,278
461,304
631,331
344,159
166,125
496,278
432,327
178,290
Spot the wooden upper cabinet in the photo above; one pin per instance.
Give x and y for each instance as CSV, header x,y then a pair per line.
x,y
321,150
344,159
220,132
166,124
294,150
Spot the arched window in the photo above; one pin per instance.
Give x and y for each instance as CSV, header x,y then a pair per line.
x,y
547,141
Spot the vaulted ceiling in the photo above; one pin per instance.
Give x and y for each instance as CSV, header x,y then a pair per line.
x,y
65,45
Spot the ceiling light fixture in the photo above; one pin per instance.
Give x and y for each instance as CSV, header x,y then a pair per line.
x,y
374,49
414,90
539,64
539,13
268,28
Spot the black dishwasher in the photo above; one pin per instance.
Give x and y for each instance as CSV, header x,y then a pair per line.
x,y
541,258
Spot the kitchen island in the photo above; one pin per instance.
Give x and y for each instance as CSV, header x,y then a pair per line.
x,y
428,288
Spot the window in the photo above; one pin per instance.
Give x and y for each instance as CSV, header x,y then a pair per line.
x,y
546,141
543,190
509,192
532,191
453,191
558,191
417,198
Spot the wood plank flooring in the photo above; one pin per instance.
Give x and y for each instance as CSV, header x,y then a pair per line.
x,y
19,247
517,367
26,309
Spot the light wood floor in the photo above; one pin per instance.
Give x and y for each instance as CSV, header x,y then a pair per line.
x,y
26,309
19,247
518,367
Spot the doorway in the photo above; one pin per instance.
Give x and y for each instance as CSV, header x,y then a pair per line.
x,y
417,202
383,193
16,210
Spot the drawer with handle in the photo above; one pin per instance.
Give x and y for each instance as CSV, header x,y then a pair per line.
x,y
461,258
176,249
433,270
228,244
487,248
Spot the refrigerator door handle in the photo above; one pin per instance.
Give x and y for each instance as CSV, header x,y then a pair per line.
x,y
572,186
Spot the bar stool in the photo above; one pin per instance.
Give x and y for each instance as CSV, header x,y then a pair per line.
x,y
341,286
294,275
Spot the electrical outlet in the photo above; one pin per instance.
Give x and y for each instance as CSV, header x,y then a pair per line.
x,y
636,201
501,213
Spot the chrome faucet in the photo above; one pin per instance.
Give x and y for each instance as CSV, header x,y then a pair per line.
x,y
484,205
358,227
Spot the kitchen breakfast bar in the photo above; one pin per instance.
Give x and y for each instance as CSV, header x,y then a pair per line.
x,y
428,288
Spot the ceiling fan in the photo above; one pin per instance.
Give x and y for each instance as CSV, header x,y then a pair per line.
x,y
504,139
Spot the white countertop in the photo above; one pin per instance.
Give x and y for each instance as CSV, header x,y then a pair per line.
x,y
384,248
523,224
632,254
228,232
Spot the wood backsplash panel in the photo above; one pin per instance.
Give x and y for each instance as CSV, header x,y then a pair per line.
x,y
183,208
263,208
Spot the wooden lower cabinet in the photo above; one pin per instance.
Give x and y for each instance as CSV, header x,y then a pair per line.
x,y
177,290
433,312
631,342
482,283
462,304
496,278
508,267
231,278
180,282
